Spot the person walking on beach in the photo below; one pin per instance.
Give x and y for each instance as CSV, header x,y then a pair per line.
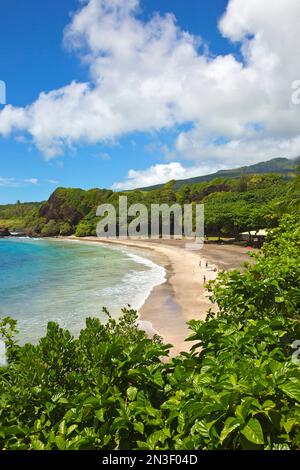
x,y
206,264
204,279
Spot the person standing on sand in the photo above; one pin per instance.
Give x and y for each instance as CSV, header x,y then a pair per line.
x,y
204,279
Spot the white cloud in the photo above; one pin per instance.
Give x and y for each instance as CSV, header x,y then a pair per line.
x,y
103,156
160,173
31,181
235,152
55,182
15,182
7,182
146,76
12,119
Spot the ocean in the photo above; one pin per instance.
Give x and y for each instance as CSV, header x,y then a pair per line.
x,y
67,281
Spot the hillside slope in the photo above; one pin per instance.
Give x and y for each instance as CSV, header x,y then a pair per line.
x,y
283,166
233,204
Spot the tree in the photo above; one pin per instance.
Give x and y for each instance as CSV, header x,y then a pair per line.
x,y
66,229
51,229
85,229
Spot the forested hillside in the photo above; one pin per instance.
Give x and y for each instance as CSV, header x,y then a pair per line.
x,y
232,205
12,216
283,166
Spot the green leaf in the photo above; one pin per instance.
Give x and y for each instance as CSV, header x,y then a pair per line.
x,y
144,445
243,409
12,430
280,447
100,415
253,431
291,389
268,405
63,401
155,437
289,424
71,429
37,425
91,402
181,421
37,445
230,425
62,428
60,442
157,378
131,393
201,427
139,427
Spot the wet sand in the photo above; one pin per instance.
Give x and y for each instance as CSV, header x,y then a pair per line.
x,y
183,295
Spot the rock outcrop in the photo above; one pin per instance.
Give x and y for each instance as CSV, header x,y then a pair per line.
x,y
4,232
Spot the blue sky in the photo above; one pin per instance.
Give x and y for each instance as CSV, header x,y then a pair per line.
x,y
35,58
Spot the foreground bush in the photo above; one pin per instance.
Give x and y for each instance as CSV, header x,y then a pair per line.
x,y
238,388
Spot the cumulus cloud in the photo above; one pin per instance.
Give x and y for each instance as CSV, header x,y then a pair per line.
x,y
259,119
160,173
151,75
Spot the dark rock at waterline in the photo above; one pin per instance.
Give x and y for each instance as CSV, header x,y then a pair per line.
x,y
4,232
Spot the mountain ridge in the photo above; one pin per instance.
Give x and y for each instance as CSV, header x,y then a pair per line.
x,y
279,165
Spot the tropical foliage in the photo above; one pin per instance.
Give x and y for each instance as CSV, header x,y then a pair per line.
x,y
13,216
114,388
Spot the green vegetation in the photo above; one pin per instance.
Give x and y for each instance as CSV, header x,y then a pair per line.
x,y
233,204
238,388
249,205
65,209
12,216
281,166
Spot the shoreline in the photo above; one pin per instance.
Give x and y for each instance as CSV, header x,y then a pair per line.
x,y
182,297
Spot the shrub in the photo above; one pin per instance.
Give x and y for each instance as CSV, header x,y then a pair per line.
x,y
238,387
84,229
51,229
66,229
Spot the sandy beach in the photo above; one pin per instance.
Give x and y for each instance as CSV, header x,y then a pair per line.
x,y
182,296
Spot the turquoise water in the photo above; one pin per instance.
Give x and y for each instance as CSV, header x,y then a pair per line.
x,y
64,281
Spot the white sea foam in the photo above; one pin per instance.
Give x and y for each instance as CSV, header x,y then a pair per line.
x,y
136,284
155,277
